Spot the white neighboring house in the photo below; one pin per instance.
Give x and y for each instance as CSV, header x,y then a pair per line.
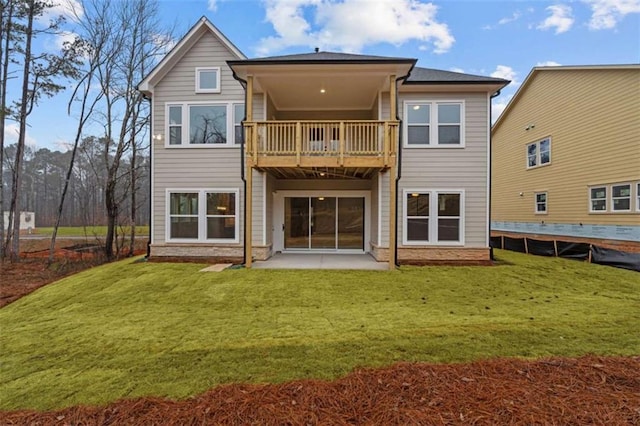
x,y
27,221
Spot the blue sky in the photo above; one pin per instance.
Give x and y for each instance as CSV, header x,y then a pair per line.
x,y
494,38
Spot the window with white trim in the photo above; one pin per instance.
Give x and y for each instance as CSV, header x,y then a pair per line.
x,y
238,115
434,123
208,215
621,198
541,203
638,197
208,80
539,153
204,124
433,217
598,199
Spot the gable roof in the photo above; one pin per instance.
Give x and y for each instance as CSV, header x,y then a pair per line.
x,y
179,50
432,76
565,68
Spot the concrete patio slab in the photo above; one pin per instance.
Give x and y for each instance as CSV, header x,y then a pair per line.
x,y
321,261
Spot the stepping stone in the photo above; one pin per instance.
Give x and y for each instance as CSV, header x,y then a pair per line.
x,y
216,268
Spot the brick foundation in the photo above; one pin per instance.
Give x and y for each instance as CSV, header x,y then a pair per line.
x,y
435,255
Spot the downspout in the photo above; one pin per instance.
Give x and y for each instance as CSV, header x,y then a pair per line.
x,y
399,160
150,174
496,94
243,83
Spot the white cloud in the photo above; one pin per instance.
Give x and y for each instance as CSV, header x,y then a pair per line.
x,y
456,69
516,15
607,13
506,72
561,19
11,132
349,25
70,9
212,5
498,105
57,41
548,64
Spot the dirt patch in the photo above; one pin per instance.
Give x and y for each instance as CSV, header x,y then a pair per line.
x,y
33,270
588,390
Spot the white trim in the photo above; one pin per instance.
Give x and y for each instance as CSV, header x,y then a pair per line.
x,y
487,240
279,210
637,185
546,202
152,213
202,216
198,89
264,207
380,208
434,143
433,216
229,110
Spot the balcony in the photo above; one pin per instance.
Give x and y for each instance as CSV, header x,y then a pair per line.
x,y
337,147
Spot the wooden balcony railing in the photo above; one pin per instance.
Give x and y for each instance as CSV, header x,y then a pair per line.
x,y
362,143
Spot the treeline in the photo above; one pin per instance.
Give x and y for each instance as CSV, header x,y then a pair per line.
x,y
44,176
108,47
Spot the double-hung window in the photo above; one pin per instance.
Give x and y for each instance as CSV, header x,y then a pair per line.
x,y
541,203
434,124
206,215
621,198
539,153
204,124
598,199
208,80
433,217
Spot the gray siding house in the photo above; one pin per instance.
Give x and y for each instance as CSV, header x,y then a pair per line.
x,y
317,152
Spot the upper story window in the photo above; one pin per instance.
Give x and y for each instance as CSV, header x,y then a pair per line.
x,y
204,124
539,153
208,80
431,124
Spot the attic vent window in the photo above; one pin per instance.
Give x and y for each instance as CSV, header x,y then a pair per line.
x,y
208,80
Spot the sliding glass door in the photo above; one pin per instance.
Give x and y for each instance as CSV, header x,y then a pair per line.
x,y
324,223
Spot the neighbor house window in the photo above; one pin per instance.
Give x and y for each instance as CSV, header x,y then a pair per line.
x,y
621,198
207,80
204,124
434,124
598,198
541,202
433,217
203,215
539,153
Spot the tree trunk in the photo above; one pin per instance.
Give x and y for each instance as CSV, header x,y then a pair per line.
x,y
15,204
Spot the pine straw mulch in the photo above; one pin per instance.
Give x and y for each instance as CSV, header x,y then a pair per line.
x,y
587,390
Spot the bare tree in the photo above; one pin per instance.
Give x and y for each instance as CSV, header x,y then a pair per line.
x,y
134,44
40,75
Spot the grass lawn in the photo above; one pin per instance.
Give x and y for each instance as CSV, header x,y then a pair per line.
x,y
88,231
131,329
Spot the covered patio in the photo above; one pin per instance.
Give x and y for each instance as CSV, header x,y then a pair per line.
x,y
321,261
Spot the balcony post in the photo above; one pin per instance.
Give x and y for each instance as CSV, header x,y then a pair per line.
x,y
298,142
393,196
249,176
342,138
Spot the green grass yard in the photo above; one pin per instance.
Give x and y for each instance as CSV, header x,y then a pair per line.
x,y
137,329
88,231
